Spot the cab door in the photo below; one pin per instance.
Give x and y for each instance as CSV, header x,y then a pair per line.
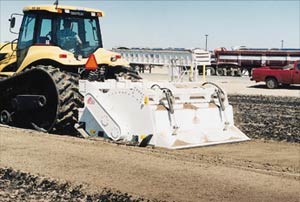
x,y
26,38
296,74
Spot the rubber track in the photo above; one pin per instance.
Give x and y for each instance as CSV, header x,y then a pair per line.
x,y
69,98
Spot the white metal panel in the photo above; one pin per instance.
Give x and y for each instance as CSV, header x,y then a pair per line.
x,y
135,109
245,57
165,57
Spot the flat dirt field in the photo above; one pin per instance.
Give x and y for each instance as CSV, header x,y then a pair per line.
x,y
36,166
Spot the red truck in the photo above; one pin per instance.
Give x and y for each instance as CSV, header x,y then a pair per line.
x,y
273,76
241,60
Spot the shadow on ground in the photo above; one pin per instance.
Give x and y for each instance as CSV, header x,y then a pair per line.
x,y
263,86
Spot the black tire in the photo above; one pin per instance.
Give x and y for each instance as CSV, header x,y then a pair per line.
x,y
57,113
239,72
212,71
70,99
220,72
5,117
232,72
244,71
271,83
97,75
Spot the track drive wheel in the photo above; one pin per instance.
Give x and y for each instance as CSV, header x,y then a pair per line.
x,y
42,98
69,98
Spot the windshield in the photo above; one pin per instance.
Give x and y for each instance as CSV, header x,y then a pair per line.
x,y
80,36
27,32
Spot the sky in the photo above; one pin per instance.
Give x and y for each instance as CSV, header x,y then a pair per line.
x,y
184,24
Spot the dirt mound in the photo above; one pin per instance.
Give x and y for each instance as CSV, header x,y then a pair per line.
x,y
20,186
267,117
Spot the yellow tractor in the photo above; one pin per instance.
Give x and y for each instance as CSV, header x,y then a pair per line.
x,y
39,72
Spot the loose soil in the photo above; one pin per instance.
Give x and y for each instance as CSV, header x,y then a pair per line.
x,y
267,117
256,170
36,166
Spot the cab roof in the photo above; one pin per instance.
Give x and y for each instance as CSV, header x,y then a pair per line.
x,y
59,8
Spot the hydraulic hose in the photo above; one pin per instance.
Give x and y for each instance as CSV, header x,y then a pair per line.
x,y
219,93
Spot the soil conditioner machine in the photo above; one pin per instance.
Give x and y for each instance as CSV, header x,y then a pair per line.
x,y
170,115
57,75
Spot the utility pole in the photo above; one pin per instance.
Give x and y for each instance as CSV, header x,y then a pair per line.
x,y
206,35
281,44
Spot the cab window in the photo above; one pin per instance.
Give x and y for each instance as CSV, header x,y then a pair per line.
x,y
27,32
79,35
44,36
298,66
91,36
67,34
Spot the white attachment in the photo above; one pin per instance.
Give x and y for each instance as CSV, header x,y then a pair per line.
x,y
178,115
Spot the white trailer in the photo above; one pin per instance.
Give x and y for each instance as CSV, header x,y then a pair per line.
x,y
180,59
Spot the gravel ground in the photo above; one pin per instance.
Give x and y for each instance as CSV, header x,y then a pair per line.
x,y
20,186
237,85
267,117
266,169
94,169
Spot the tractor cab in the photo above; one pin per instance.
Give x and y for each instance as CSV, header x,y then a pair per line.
x,y
73,30
65,37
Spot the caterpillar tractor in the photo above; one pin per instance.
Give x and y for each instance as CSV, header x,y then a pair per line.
x,y
57,76
39,72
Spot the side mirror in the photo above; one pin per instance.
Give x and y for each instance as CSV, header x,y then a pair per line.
x,y
12,22
15,23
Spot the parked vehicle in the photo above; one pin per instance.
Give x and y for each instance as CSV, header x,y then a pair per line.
x,y
286,75
242,60
145,58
